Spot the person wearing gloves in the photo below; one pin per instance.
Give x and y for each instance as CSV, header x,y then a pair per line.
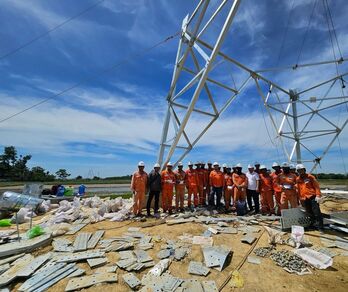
x,y
287,181
180,183
253,189
266,191
168,182
192,186
228,189
276,188
138,187
309,193
154,186
240,182
216,181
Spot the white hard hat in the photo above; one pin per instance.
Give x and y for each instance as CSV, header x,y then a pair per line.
x,y
180,163
141,163
300,166
285,164
256,163
292,166
275,164
239,165
263,166
156,165
250,166
215,163
189,163
169,164
224,165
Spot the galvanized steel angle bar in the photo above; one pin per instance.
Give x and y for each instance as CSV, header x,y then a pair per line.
x,y
93,241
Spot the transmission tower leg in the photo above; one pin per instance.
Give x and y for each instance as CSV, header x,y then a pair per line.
x,y
294,98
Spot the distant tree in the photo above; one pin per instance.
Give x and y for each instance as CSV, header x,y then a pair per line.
x,y
19,170
96,178
7,160
62,173
37,173
79,177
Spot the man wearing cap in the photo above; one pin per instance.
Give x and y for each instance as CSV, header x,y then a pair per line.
x,y
154,185
240,182
207,174
253,189
287,181
309,193
192,185
277,188
228,188
201,182
138,187
257,167
216,180
180,182
168,182
266,191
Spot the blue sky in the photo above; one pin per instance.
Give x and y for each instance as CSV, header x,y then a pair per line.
x,y
110,122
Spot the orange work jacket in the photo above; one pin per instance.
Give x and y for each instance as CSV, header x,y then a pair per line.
x,y
216,179
266,183
307,186
139,181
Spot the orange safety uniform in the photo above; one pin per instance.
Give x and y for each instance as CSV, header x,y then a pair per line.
x,y
228,189
216,179
287,182
138,186
192,187
168,182
266,192
180,182
277,191
201,184
307,187
240,182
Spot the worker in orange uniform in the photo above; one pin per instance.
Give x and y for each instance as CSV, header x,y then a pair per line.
x,y
240,182
201,182
208,187
168,182
276,188
266,191
309,193
138,187
206,184
216,180
180,183
287,181
228,189
192,186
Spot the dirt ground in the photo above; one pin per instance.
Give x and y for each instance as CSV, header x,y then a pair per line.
x,y
264,277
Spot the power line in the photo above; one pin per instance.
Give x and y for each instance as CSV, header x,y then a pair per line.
x,y
50,30
118,64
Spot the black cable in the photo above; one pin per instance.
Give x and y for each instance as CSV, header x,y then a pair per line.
x,y
306,33
118,64
50,30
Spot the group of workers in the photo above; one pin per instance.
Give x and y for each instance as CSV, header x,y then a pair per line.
x,y
286,186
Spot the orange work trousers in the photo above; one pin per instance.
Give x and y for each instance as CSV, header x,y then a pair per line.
x,y
138,201
192,191
201,194
228,197
167,198
267,203
287,197
239,195
179,196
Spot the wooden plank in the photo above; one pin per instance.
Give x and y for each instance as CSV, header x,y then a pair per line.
x,y
81,240
96,262
92,243
8,276
88,281
75,228
29,245
34,265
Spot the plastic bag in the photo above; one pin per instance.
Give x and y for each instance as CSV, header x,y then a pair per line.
x,y
297,233
35,231
5,222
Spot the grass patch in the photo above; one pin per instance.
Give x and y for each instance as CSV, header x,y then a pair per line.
x,y
67,182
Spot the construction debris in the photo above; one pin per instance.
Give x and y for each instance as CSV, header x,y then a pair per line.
x,y
79,256
97,262
216,256
87,281
263,251
290,262
81,240
131,280
314,258
197,268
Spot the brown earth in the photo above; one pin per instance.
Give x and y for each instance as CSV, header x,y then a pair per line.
x,y
265,277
